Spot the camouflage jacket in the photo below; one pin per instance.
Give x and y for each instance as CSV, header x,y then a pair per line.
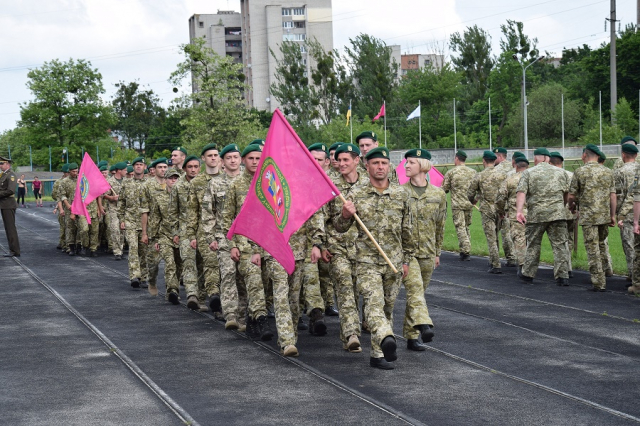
x,y
506,200
68,189
544,187
457,181
343,243
212,209
387,217
179,206
310,233
235,197
592,185
92,209
427,214
625,181
116,186
484,188
156,199
619,163
129,203
199,186
504,167
152,193
55,192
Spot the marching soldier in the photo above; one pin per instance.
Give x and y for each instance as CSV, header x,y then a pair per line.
x,y
67,193
367,141
334,171
59,209
116,236
457,181
627,140
556,159
503,166
625,180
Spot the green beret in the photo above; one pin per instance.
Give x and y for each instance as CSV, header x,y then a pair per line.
x,y
521,159
137,160
379,152
418,153
161,160
112,168
171,172
103,168
318,147
103,163
65,168
518,154
594,149
628,139
629,148
556,154
541,151
602,157
346,147
229,148
335,146
489,155
256,142
500,150
129,169
251,148
367,135
190,158
461,154
208,147
120,166
73,166
181,149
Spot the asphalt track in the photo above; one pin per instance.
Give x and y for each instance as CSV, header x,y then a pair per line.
x,y
79,346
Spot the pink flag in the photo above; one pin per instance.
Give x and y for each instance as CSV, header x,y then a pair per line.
x,y
380,114
434,176
91,184
287,189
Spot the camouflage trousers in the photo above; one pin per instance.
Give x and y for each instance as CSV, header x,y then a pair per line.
x,y
103,239
416,283
557,234
268,287
597,252
628,240
608,265
311,285
252,275
169,253
72,231
189,269
379,287
343,274
153,264
116,236
89,233
519,240
286,293
635,274
233,292
462,222
137,254
489,225
326,283
507,242
62,242
570,225
210,267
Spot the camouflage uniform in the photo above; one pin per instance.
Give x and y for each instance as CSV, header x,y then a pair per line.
x,y
571,223
387,217
116,236
362,169
619,163
506,204
129,213
67,192
233,292
635,274
592,186
307,276
151,191
89,233
457,181
625,180
427,216
178,207
252,274
55,194
206,260
544,187
485,185
505,225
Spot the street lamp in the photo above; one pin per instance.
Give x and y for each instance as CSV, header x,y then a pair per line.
x,y
524,97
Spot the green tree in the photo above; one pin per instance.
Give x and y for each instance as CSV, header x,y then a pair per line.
x,y
625,118
474,61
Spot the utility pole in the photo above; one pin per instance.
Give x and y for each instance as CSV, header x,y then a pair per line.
x,y
612,65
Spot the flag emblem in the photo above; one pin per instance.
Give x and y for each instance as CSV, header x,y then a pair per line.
x,y
273,192
84,187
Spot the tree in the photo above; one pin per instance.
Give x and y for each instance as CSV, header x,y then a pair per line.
x,y
67,108
474,61
331,84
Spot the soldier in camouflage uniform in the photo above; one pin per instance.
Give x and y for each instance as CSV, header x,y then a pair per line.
x,y
383,207
427,211
594,190
635,274
90,232
543,188
67,193
484,187
556,159
206,260
627,140
129,216
506,204
178,156
608,267
59,209
116,235
233,292
367,141
245,252
503,166
457,181
625,180
178,210
334,171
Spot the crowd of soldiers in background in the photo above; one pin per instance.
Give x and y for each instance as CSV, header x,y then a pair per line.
x,y
172,211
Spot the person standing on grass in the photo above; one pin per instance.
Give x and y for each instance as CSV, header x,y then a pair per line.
x,y
22,189
37,191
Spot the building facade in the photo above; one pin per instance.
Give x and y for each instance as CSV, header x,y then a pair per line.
x,y
417,61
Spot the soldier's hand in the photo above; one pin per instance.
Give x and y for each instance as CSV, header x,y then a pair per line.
x,y
316,255
620,224
62,212
405,270
256,260
194,244
520,218
348,210
613,221
145,239
122,227
437,262
636,228
235,254
326,256
72,216
176,239
213,246
156,246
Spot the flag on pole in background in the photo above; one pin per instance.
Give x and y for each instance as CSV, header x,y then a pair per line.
x,y
380,114
348,115
434,176
287,189
414,114
91,184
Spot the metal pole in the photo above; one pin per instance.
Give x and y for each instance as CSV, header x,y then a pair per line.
x,y
600,112
9,147
420,124
455,132
524,91
562,128
351,141
97,154
30,158
49,158
490,141
612,66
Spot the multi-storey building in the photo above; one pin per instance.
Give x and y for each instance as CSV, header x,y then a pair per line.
x,y
416,61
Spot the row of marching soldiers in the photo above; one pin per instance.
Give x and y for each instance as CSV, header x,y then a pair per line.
x,y
181,216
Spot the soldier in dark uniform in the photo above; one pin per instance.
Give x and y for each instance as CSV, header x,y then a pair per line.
x,y
8,184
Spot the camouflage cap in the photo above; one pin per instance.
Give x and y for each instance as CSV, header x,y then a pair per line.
x,y
229,148
418,153
367,135
379,152
171,172
346,147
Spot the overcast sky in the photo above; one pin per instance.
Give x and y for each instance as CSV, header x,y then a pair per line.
x,y
138,39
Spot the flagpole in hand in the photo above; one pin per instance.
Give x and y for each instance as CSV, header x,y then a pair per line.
x,y
373,240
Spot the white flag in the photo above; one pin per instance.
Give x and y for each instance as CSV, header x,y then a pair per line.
x,y
414,114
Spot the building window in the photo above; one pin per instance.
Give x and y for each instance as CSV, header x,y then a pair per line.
x,y
294,37
201,24
298,11
303,49
427,62
298,24
286,12
287,24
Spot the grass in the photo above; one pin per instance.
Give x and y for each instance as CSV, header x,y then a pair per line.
x,y
579,259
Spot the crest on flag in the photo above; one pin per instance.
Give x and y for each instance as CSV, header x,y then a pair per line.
x,y
84,187
273,192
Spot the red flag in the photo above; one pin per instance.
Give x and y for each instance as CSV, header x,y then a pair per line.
x,y
287,189
91,184
434,176
380,114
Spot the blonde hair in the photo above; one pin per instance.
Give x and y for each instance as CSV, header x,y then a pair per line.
x,y
425,165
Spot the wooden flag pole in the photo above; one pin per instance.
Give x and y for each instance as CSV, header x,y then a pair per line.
x,y
373,240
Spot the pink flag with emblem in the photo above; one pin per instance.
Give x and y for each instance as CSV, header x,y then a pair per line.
x,y
287,189
434,176
91,184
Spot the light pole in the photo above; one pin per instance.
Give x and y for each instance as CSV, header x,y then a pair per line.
x,y
524,97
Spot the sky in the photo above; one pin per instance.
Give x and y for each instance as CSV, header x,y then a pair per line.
x,y
129,40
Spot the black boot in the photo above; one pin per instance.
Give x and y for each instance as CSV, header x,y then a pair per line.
x,y
72,249
388,346
215,304
317,327
252,329
426,332
415,345
301,325
135,283
80,250
263,327
93,253
380,363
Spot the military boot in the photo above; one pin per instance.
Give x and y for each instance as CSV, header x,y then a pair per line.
x,y
72,249
80,250
426,332
263,328
317,327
